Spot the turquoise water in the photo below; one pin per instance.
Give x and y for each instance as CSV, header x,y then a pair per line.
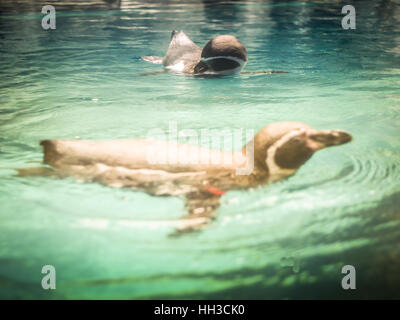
x,y
286,240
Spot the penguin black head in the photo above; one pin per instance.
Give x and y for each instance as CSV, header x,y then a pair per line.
x,y
286,146
223,54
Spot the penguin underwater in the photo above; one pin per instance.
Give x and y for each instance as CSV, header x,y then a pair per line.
x,y
222,55
278,151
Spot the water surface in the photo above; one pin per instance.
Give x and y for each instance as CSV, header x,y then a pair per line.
x,y
287,240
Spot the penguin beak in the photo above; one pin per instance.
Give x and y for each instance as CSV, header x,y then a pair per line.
x,y
328,138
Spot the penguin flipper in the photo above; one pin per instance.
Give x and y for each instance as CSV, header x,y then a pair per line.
x,y
200,212
153,59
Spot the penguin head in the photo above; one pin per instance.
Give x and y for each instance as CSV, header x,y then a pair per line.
x,y
288,145
223,54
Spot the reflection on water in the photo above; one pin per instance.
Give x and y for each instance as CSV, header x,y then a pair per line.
x,y
287,240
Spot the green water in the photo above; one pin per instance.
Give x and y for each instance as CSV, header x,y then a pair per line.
x,y
287,240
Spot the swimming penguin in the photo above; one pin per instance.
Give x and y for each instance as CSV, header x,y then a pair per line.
x,y
276,152
222,55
